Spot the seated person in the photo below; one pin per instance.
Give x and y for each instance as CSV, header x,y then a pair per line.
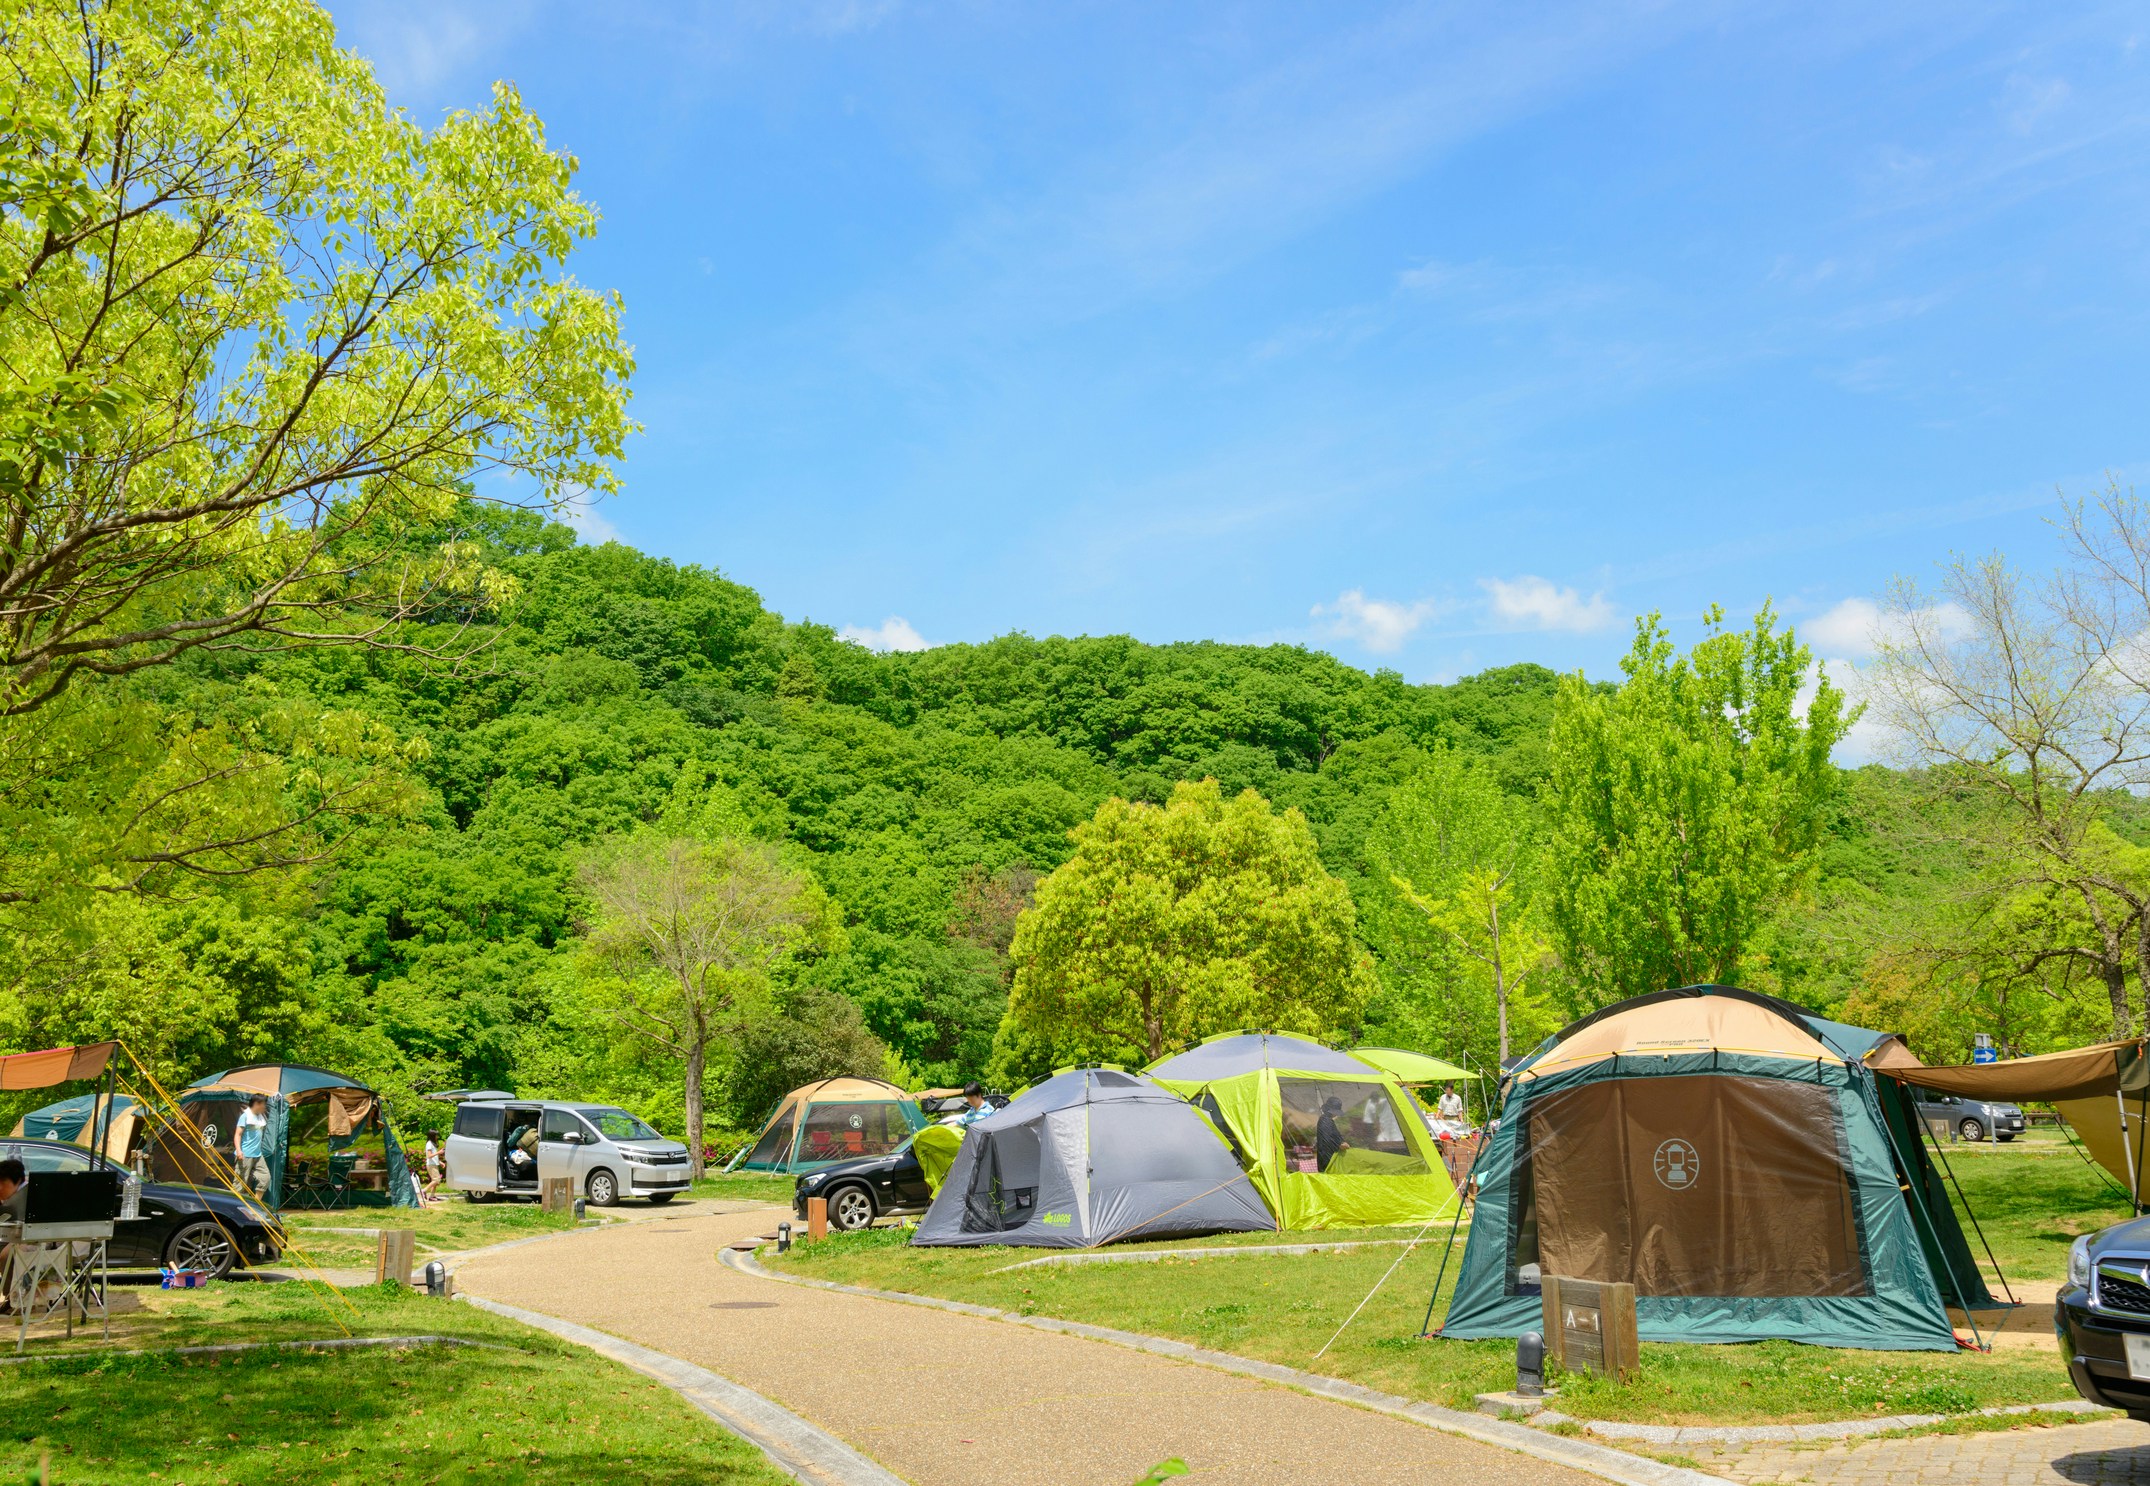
x,y
14,1202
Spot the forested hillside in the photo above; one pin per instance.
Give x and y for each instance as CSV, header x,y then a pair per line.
x,y
440,944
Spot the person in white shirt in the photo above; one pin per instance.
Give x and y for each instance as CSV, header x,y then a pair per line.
x,y
1450,1106
247,1144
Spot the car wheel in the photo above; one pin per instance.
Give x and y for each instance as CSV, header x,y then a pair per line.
x,y
602,1187
659,1199
850,1209
477,1197
204,1246
1971,1130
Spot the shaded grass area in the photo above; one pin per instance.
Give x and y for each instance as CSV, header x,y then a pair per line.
x,y
527,1408
2032,1198
445,1227
747,1186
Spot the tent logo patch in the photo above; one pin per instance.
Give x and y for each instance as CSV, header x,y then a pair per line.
x,y
1677,1165
1057,1220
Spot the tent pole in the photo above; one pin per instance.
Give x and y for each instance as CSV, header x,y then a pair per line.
x,y
2135,1171
1905,1168
1462,1197
1976,1226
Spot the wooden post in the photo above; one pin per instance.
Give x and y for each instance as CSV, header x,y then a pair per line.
x,y
1590,1326
398,1248
817,1218
556,1194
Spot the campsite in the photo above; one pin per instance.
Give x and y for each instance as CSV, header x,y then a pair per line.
x,y
901,744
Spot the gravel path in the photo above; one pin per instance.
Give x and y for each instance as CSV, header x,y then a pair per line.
x,y
949,1400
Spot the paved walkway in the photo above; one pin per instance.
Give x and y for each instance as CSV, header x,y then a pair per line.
x,y
950,1400
2107,1453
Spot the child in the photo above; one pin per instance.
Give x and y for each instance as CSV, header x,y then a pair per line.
x,y
432,1164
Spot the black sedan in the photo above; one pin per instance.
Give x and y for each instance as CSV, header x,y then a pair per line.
x,y
2103,1317
867,1188
186,1228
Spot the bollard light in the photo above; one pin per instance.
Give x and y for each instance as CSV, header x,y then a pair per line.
x,y
578,1209
1530,1365
783,1238
436,1278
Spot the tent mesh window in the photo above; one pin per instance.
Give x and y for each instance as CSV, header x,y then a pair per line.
x,y
1707,1185
774,1147
839,1132
1363,1135
1004,1181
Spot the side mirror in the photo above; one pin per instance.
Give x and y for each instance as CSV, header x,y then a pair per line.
x,y
574,1137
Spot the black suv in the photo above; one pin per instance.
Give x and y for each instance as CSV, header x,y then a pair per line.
x,y
869,1187
2103,1317
185,1227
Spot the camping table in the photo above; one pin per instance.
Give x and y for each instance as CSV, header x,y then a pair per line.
x,y
45,1254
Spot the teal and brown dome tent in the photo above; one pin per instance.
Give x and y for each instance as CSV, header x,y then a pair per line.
x,y
322,1128
1735,1158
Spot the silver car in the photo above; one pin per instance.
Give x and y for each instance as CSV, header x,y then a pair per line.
x,y
605,1152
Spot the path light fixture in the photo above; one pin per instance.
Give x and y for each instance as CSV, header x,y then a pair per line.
x,y
1530,1365
578,1209
783,1238
436,1279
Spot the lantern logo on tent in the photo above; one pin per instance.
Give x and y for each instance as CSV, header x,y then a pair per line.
x,y
1677,1164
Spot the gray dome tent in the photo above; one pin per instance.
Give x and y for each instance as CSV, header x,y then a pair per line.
x,y
1089,1156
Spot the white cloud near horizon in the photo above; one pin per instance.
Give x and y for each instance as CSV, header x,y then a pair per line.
x,y
1856,628
892,633
590,524
1381,625
1536,603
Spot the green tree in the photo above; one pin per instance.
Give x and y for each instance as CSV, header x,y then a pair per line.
x,y
1461,856
693,928
1685,803
1168,923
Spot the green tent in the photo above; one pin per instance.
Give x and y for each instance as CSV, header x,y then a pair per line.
x,y
321,1128
1330,1141
1411,1068
1736,1159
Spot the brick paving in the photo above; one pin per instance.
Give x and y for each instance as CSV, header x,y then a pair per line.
x,y
2111,1452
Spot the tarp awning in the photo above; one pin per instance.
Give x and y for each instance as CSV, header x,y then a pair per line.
x,y
2103,1068
55,1065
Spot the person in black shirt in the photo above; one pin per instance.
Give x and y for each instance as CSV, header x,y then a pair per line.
x,y
1328,1137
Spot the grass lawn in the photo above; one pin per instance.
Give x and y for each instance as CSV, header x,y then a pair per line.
x,y
530,1408
2032,1197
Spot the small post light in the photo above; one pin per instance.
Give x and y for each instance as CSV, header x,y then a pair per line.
x,y
783,1238
578,1209
436,1279
1530,1365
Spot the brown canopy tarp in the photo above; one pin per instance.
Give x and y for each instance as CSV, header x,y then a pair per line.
x,y
2102,1091
57,1065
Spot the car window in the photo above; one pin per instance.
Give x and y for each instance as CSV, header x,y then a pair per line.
x,y
50,1158
558,1124
484,1124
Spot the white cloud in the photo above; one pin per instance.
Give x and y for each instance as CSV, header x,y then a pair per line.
x,y
590,524
892,633
1857,627
1537,603
1381,625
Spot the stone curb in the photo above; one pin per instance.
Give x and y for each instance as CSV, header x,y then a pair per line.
x,y
1780,1434
794,1446
1602,1461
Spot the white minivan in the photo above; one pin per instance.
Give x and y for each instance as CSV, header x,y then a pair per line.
x,y
606,1152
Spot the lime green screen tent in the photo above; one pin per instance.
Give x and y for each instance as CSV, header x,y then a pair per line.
x,y
1329,1140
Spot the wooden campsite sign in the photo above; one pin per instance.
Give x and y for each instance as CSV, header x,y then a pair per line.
x,y
1590,1327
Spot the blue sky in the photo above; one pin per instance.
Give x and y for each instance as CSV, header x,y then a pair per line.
x,y
1435,336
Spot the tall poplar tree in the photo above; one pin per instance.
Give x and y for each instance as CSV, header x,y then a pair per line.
x,y
1686,802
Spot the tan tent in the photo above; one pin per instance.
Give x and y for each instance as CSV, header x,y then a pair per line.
x,y
2102,1091
836,1119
